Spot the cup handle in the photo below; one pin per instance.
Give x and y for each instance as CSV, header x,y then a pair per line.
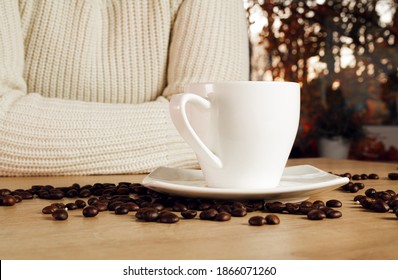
x,y
179,117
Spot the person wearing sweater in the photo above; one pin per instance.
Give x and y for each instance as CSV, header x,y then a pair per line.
x,y
84,85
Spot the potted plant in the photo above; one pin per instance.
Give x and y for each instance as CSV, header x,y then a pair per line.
x,y
336,127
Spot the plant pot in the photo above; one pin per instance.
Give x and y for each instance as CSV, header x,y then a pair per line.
x,y
337,147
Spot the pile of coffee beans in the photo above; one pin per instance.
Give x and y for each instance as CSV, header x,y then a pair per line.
x,y
379,201
316,210
356,177
354,187
60,214
161,210
364,176
393,176
151,206
125,197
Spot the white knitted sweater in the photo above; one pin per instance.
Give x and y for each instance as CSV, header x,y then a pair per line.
x,y
84,84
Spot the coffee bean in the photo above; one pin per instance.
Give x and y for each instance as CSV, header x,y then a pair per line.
x,y
393,176
100,205
157,206
318,204
60,214
358,197
189,214
179,207
92,200
275,207
48,187
112,206
359,185
109,190
333,214
239,212
36,188
326,209
272,220
43,195
305,209
23,194
379,206
353,188
249,209
333,203
255,205
122,191
105,197
371,193
237,204
56,194
383,195
59,205
193,205
316,214
80,203
72,193
393,204
356,177
49,209
5,192
292,208
90,211
395,197
222,217
84,193
71,206
373,176
121,210
131,206
148,214
208,214
224,208
346,187
366,202
364,176
168,218
306,204
145,204
204,206
348,175
139,189
396,212
140,212
8,200
257,221
391,192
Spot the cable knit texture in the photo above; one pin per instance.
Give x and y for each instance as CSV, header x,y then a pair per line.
x,y
84,85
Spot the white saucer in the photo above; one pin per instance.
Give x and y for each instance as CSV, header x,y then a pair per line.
x,y
298,183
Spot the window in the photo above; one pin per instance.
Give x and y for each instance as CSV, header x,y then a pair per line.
x,y
344,48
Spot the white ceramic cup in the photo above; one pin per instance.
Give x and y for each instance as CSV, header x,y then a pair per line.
x,y
241,132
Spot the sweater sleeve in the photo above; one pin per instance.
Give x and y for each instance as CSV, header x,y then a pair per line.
x,y
209,43
48,136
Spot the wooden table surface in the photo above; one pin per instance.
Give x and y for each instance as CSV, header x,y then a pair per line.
x,y
26,233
